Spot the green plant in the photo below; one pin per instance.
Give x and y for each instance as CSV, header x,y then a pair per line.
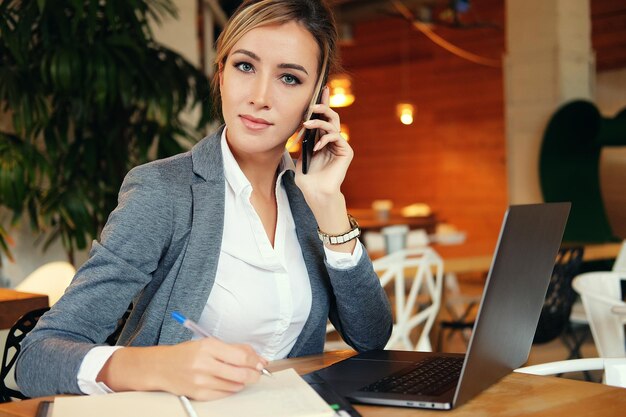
x,y
90,94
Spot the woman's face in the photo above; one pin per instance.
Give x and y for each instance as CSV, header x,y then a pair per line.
x,y
266,85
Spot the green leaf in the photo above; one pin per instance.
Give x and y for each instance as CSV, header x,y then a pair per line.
x,y
91,93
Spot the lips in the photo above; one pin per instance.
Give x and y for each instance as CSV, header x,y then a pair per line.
x,y
254,123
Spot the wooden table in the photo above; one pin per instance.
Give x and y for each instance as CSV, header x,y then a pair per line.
x,y
481,264
515,395
13,304
369,220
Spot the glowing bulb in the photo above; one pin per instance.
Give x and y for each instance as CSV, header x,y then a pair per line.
x,y
405,112
340,91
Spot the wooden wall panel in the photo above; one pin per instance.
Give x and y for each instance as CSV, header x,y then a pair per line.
x,y
452,156
608,33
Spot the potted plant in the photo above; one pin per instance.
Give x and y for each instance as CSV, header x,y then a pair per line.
x,y
90,94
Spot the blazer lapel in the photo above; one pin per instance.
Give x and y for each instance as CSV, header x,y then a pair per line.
x,y
313,254
197,273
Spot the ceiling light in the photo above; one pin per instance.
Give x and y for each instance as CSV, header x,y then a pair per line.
x,y
340,90
405,113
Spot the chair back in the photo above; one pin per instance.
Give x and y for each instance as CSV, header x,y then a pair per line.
x,y
417,278
51,279
600,293
560,296
620,261
18,331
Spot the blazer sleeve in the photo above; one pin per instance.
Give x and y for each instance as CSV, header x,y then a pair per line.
x,y
136,235
360,310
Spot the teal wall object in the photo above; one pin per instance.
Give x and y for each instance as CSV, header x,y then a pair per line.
x,y
569,166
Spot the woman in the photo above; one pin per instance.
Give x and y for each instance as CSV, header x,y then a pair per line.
x,y
223,234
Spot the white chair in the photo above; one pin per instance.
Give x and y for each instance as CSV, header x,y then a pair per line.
x,y
50,279
614,368
600,293
620,261
578,316
417,299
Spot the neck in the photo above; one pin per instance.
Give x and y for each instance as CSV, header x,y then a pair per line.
x,y
261,170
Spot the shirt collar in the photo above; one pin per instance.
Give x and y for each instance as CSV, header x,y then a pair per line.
x,y
235,176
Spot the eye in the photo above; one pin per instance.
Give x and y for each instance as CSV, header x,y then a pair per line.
x,y
244,66
290,79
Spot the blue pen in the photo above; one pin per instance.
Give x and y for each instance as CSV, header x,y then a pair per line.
x,y
199,331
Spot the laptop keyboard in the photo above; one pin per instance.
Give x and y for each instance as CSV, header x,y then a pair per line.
x,y
430,376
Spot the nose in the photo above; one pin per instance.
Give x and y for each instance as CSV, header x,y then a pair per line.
x,y
260,96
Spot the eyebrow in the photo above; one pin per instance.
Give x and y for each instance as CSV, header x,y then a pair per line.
x,y
257,58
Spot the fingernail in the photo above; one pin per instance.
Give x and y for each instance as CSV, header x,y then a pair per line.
x,y
259,366
308,123
317,146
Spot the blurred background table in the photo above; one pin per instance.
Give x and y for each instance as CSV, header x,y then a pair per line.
x,y
13,304
370,220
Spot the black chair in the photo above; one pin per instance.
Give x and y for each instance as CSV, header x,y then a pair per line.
x,y
18,331
554,320
560,296
458,324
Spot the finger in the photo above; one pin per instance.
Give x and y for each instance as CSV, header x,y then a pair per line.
x,y
240,355
325,96
234,373
214,382
324,125
201,385
209,388
339,145
329,114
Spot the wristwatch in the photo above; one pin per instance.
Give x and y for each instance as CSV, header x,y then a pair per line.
x,y
353,233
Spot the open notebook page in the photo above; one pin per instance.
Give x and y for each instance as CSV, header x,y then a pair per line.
x,y
284,394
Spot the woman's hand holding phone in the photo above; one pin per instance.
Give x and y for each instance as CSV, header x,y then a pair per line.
x,y
332,153
327,169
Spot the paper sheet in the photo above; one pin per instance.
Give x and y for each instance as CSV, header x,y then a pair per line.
x,y
284,394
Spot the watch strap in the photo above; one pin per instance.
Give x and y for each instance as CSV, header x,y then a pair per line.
x,y
351,234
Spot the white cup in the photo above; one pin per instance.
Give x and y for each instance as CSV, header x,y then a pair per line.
x,y
395,237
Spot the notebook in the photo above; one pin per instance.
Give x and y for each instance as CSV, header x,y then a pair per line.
x,y
283,394
503,331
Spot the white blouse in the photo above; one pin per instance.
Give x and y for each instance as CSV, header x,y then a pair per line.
x,y
262,294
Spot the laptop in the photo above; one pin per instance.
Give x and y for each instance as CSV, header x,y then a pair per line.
x,y
503,330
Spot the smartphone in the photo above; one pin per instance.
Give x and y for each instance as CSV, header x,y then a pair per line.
x,y
309,138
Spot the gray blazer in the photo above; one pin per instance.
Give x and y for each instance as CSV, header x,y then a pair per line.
x,y
159,250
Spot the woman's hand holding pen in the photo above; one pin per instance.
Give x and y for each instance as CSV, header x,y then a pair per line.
x,y
202,369
208,368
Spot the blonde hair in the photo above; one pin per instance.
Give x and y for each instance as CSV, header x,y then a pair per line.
x,y
314,15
